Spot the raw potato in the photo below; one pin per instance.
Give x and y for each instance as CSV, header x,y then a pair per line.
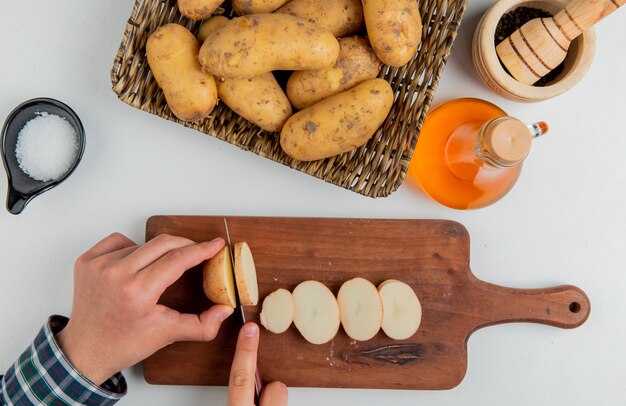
x,y
172,53
339,123
394,28
198,9
386,282
340,17
260,43
357,62
277,312
245,275
316,313
243,7
402,312
258,99
361,309
217,281
209,26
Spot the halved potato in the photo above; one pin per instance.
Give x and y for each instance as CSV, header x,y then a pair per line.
x,y
277,312
217,281
316,313
402,311
245,275
361,309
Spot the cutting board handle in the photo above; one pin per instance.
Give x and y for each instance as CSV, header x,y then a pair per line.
x,y
560,306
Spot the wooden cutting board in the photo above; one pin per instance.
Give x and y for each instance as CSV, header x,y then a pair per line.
x,y
430,255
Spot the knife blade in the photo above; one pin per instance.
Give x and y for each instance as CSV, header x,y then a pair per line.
x,y
258,384
242,314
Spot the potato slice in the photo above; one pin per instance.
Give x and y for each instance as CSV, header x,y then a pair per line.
x,y
316,314
277,312
245,275
361,309
384,283
217,281
402,311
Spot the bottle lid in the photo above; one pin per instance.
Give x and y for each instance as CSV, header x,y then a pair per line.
x,y
507,140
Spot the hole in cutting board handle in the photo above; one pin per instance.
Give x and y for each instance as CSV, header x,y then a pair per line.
x,y
574,307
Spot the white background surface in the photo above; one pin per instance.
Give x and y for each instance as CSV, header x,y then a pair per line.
x,y
563,223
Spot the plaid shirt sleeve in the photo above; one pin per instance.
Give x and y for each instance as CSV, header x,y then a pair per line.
x,y
44,376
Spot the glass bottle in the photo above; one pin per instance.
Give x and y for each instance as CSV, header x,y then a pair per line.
x,y
470,153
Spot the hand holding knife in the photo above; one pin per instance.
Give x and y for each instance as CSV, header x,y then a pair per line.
x,y
241,384
258,384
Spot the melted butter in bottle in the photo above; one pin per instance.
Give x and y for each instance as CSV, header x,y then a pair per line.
x,y
470,154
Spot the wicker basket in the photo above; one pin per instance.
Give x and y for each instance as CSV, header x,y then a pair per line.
x,y
375,169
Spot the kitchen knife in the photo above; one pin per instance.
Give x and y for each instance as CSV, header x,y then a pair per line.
x,y
258,384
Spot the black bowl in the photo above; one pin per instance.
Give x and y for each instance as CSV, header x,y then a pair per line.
x,y
22,188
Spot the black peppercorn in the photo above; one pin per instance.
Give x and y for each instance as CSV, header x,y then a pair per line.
x,y
513,20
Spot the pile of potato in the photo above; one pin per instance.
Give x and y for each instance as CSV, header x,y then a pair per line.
x,y
333,85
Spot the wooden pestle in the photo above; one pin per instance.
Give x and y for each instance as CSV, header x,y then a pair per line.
x,y
541,44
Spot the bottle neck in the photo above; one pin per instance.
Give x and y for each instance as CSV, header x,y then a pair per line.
x,y
483,153
503,142
500,143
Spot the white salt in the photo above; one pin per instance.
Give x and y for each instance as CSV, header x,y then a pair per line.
x,y
47,147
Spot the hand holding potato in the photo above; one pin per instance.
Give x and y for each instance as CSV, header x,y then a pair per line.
x,y
116,321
